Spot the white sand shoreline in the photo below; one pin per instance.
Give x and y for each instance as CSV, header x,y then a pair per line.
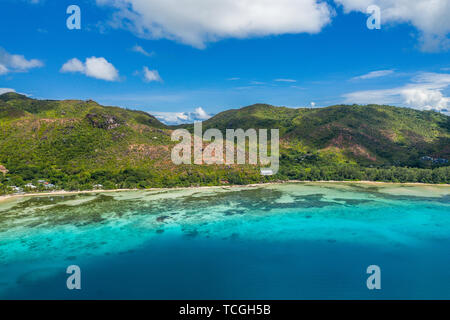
x,y
63,192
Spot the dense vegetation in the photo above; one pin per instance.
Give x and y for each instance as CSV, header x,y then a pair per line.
x,y
78,145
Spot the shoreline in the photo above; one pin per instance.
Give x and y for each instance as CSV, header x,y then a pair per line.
x,y
63,192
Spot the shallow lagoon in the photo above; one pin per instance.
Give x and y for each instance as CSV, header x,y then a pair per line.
x,y
287,241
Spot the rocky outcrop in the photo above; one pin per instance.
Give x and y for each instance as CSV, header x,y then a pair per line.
x,y
104,121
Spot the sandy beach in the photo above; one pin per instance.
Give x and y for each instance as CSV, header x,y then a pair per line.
x,y
63,192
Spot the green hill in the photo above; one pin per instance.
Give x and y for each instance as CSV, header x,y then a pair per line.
x,y
75,144
369,135
254,116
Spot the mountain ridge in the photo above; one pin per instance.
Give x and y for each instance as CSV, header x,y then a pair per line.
x,y
403,130
76,144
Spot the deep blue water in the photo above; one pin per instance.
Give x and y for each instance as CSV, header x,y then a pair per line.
x,y
292,241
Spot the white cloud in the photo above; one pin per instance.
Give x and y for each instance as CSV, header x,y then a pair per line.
x,y
430,17
172,118
19,63
73,65
141,50
201,114
425,99
424,92
196,22
151,75
285,80
94,67
101,69
433,80
3,69
234,79
6,90
16,63
374,74
384,96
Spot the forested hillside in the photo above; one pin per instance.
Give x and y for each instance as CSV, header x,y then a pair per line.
x,y
73,145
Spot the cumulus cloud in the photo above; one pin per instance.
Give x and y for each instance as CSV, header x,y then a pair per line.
x,y
374,74
94,67
201,114
141,50
429,17
425,99
424,92
172,118
196,22
73,65
151,75
16,63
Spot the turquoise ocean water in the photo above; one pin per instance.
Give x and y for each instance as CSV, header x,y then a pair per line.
x,y
289,241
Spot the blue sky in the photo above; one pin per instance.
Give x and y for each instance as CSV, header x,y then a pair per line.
x,y
182,60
